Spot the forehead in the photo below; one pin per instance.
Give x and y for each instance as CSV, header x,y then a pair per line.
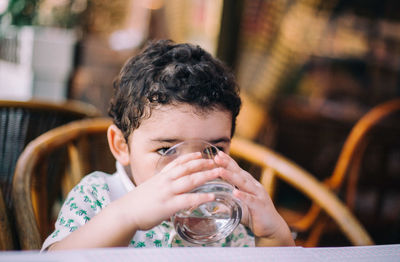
x,y
183,122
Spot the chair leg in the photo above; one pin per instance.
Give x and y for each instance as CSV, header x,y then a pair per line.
x,y
316,231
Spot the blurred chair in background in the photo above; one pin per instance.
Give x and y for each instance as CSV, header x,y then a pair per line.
x,y
76,149
345,178
35,221
348,167
22,121
274,166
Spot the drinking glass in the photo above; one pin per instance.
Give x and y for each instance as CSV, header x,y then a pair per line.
x,y
211,221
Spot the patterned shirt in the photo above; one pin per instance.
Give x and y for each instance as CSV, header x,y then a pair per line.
x,y
98,189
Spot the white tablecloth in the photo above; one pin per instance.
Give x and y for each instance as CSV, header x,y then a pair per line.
x,y
365,253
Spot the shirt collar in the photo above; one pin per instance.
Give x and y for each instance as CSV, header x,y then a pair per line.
x,y
123,176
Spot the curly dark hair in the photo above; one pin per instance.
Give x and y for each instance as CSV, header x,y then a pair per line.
x,y
168,73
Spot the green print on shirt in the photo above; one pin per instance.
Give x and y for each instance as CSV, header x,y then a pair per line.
x,y
166,237
62,221
105,187
229,238
72,229
69,201
249,232
69,222
86,199
86,218
94,207
157,243
81,212
150,234
165,225
73,206
140,244
94,191
98,203
55,233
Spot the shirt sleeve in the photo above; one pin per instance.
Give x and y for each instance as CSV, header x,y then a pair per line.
x,y
84,201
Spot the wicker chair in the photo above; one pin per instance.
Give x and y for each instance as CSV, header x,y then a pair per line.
x,y
75,149
347,167
21,122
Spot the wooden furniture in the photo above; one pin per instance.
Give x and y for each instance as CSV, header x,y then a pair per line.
x,y
348,165
6,236
274,166
29,188
354,147
22,121
343,177
65,154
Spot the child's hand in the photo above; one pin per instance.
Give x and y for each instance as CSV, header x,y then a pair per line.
x,y
167,192
147,205
262,217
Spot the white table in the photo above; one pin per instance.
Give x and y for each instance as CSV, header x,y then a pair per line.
x,y
367,253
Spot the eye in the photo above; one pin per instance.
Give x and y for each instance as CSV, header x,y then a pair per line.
x,y
166,151
210,151
220,148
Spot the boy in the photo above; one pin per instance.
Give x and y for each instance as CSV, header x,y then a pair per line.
x,y
167,94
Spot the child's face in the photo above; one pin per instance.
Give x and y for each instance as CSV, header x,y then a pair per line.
x,y
170,125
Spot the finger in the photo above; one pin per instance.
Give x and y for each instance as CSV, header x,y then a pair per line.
x,y
242,180
224,160
192,166
180,160
250,200
236,175
255,203
189,200
188,183
229,164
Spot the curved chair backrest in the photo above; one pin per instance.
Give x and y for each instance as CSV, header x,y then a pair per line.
x,y
80,147
355,144
22,121
348,164
275,166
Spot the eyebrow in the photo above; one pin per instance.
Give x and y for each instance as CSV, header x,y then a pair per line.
x,y
220,140
176,140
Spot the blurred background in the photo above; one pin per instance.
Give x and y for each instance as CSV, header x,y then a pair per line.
x,y
308,71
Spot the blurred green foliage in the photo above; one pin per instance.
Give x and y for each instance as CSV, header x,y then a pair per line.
x,y
21,12
64,14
